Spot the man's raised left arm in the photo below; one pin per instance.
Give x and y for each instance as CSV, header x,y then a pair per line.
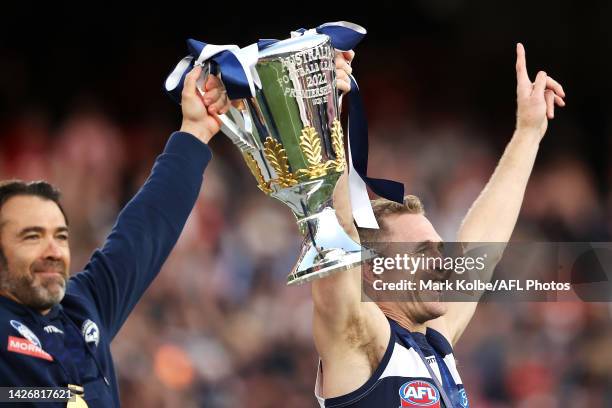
x,y
492,217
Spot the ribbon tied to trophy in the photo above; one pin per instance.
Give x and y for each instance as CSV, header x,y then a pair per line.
x,y
289,133
240,79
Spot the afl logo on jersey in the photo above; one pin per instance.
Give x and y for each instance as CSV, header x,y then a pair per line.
x,y
419,393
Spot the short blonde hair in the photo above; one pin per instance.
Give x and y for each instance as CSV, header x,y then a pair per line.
x,y
383,208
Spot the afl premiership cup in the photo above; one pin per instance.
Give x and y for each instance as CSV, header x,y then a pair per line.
x,y
290,137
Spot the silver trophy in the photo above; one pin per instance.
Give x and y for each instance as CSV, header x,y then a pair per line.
x,y
292,141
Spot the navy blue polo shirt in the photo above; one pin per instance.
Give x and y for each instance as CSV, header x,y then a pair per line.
x,y
71,344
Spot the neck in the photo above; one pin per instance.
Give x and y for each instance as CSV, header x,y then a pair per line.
x,y
401,318
10,296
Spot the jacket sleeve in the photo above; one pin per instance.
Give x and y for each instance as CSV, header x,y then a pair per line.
x,y
145,232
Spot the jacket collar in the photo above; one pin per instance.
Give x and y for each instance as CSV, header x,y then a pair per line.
x,y
22,310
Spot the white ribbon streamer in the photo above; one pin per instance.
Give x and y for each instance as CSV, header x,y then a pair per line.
x,y
360,201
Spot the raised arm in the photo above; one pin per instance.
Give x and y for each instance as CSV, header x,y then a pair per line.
x,y
493,216
346,330
350,335
337,298
150,224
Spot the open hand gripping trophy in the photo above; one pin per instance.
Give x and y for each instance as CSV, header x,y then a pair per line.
x,y
289,133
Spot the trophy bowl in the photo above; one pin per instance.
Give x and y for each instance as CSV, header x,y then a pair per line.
x,y
291,139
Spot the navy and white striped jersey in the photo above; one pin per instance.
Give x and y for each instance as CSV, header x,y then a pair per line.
x,y
402,379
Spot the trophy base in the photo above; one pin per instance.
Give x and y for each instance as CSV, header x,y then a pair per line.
x,y
326,249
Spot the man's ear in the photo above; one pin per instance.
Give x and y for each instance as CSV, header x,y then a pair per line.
x,y
367,273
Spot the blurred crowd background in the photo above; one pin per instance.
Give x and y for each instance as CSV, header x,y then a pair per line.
x,y
81,105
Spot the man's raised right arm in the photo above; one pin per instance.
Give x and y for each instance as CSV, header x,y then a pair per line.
x,y
341,320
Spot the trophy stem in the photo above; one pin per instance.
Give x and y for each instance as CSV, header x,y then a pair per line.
x,y
326,248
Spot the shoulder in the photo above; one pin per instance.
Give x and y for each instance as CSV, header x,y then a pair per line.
x,y
440,330
78,300
438,341
364,361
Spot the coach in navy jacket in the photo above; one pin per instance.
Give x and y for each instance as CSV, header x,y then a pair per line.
x,y
56,331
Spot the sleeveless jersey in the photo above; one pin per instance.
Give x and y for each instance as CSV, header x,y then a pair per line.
x,y
402,379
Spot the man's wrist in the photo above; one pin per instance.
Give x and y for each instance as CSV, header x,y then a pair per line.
x,y
196,130
528,135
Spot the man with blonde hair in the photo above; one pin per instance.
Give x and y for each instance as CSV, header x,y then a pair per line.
x,y
390,354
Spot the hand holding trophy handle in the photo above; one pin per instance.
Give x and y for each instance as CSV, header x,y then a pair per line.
x,y
235,121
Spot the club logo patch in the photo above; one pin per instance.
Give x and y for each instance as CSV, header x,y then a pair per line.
x,y
419,393
26,332
90,331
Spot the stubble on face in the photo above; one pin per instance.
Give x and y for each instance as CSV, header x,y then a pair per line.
x,y
40,285
34,252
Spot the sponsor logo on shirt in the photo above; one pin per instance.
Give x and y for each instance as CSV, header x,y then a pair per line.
x,y
419,393
24,346
26,332
90,331
52,329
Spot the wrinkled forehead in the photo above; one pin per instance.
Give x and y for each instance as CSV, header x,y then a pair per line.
x,y
410,228
25,210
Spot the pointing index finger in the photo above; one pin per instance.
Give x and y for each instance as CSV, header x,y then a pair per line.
x,y
523,83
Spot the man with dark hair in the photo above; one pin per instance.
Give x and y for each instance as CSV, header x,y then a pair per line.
x,y
34,291
41,189
56,331
389,354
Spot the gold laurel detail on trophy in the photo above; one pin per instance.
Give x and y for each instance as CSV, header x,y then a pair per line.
x,y
311,147
338,145
277,157
262,184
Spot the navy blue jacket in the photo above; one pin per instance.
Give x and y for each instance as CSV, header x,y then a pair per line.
x,y
71,344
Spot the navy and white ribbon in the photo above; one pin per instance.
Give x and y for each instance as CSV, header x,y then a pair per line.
x,y
345,36
237,67
236,64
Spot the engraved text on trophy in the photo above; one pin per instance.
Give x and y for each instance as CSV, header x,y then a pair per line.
x,y
309,68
